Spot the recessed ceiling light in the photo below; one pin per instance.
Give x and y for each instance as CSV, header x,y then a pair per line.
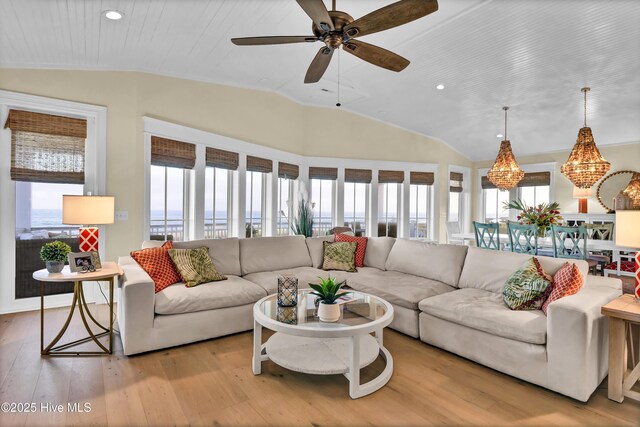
x,y
113,15
440,87
499,135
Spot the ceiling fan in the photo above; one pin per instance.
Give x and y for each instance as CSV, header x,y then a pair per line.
x,y
336,28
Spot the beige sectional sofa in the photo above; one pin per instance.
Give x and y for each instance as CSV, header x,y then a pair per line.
x,y
446,295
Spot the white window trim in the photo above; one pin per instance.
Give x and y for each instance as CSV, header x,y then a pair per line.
x,y
95,182
166,129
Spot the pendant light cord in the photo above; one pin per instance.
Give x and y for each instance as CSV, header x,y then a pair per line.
x,y
585,90
505,122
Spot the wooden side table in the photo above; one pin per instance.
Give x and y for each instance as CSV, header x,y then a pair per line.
x,y
623,312
108,272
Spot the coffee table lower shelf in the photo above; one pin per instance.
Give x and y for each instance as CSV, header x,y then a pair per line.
x,y
329,356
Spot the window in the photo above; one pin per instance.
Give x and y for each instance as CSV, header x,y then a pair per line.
x,y
454,212
285,205
255,207
322,191
39,209
493,202
388,208
419,211
356,201
533,196
217,202
167,203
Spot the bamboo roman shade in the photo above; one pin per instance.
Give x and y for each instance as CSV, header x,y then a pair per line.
x,y
362,176
46,148
172,153
323,173
288,171
421,178
455,182
222,159
530,180
258,164
385,177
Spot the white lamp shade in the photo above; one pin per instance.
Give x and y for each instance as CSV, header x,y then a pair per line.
x,y
582,193
88,210
628,228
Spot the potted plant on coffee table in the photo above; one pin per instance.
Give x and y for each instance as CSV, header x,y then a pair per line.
x,y
327,293
54,255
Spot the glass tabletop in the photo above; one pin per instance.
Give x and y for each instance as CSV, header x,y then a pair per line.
x,y
361,309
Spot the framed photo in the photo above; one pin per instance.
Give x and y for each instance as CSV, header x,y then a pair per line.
x,y
84,262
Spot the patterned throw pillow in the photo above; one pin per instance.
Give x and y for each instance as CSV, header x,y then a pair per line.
x,y
195,266
528,287
339,256
158,265
567,281
360,249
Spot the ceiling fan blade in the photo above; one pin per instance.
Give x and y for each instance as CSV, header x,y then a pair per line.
x,y
257,41
318,65
318,13
376,55
394,15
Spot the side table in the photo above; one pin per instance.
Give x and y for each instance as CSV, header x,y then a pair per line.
x,y
623,312
108,272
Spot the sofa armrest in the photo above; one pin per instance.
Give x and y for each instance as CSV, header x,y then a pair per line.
x,y
609,282
136,304
577,337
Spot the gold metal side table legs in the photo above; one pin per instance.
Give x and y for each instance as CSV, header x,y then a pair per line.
x,y
79,301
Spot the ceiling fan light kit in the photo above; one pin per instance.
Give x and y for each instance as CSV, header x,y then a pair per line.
x,y
338,29
505,172
585,165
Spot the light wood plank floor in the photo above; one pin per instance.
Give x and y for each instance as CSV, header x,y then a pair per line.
x,y
210,383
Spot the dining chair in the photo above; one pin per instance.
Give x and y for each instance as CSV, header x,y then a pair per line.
x,y
523,238
453,227
577,236
487,235
600,232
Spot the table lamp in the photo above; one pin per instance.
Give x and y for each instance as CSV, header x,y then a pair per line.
x,y
582,194
628,234
88,211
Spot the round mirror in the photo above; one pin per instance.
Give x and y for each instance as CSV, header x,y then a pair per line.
x,y
610,186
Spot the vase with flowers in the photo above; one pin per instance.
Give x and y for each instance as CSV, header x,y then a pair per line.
x,y
544,215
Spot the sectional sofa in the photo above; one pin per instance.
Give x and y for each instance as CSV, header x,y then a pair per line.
x,y
446,295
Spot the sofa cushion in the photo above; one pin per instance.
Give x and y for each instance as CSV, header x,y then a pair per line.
x,y
316,249
339,256
195,266
225,253
158,265
489,270
273,253
234,291
528,287
431,261
398,288
377,252
485,311
567,281
268,280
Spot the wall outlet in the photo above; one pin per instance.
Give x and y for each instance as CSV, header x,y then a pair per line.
x,y
122,215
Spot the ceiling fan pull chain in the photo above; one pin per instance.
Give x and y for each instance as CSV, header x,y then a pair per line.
x,y
338,104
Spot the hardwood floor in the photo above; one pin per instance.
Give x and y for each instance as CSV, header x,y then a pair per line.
x,y
211,383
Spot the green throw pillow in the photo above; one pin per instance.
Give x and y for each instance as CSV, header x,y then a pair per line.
x,y
339,256
195,266
528,287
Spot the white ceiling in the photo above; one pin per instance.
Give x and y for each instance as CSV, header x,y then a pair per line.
x,y
532,55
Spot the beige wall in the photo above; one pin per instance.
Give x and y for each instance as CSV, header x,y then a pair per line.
x,y
254,116
621,157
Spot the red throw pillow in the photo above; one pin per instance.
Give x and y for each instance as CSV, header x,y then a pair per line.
x,y
158,265
361,246
567,281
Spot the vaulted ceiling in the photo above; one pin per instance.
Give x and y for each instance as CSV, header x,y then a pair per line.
x,y
532,55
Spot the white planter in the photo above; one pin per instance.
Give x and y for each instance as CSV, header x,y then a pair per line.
x,y
329,312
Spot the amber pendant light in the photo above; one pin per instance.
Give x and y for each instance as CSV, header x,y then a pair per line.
x,y
505,172
585,165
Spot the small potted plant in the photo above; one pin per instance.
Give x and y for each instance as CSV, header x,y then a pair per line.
x,y
327,293
54,255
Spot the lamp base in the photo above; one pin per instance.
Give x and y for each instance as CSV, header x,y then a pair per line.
x,y
637,288
89,239
582,206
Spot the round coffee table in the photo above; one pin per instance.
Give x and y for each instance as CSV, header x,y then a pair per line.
x,y
303,343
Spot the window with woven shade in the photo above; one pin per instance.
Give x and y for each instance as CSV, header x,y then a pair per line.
x,y
219,175
389,199
323,189
46,147
356,199
420,193
455,197
287,174
257,179
455,182
222,159
172,154
535,188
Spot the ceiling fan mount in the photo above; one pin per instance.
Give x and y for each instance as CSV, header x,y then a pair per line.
x,y
336,28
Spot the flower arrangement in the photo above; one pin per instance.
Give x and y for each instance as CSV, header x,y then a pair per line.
x,y
544,215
